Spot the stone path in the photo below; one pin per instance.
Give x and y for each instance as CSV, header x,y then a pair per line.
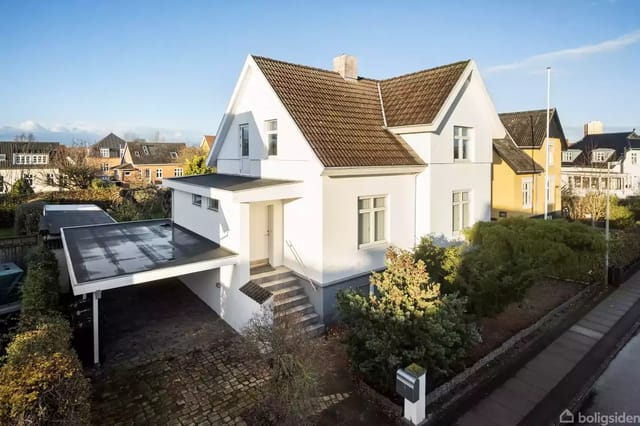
x,y
515,400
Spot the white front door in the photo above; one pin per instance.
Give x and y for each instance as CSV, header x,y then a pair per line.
x,y
245,161
261,232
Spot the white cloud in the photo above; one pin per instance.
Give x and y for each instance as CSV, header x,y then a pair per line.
x,y
573,53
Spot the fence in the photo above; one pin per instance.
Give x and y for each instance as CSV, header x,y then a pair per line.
x,y
15,249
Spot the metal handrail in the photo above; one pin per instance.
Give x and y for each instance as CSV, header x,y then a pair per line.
x,y
301,263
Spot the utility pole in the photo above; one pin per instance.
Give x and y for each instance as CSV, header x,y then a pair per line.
x,y
606,226
547,190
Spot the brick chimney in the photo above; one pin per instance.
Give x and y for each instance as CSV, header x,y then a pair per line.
x,y
346,66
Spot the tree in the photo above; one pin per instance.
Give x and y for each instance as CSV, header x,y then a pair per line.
x,y
406,320
77,166
195,160
22,137
21,187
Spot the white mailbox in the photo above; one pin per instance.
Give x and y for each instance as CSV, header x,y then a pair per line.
x,y
411,383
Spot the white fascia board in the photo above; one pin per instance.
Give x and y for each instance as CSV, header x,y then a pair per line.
x,y
273,192
152,275
372,171
67,258
189,188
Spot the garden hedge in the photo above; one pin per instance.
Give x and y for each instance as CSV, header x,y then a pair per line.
x,y
40,290
27,217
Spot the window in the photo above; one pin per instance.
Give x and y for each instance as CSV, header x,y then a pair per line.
x,y
145,149
527,183
158,173
136,153
28,179
461,211
147,173
1,184
63,181
552,146
174,155
50,179
213,204
461,138
196,200
244,140
30,159
104,152
127,173
599,156
551,190
271,127
371,220
634,158
177,172
104,167
3,157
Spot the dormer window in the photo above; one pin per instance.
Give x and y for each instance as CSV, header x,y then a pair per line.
x,y
600,156
136,153
145,149
104,152
174,155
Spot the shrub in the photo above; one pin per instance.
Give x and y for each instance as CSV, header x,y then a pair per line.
x,y
44,389
624,247
8,205
40,288
21,187
408,321
43,334
27,217
441,262
105,198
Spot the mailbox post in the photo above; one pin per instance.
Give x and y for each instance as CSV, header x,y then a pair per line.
x,y
411,385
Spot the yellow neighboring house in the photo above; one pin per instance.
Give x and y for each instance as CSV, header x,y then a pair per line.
x,y
518,175
207,143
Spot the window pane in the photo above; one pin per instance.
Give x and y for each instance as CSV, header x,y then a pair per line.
x,y
273,144
244,137
378,202
456,149
272,125
456,197
465,196
465,215
465,149
456,218
364,203
379,230
364,228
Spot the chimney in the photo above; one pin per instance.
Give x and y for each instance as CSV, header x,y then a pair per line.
x,y
346,66
593,128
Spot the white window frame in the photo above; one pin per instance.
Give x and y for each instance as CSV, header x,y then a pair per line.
x,y
459,204
244,130
462,135
173,155
145,150
50,179
527,192
158,173
178,171
371,211
104,152
634,158
599,156
196,200
271,131
127,173
213,204
28,177
104,167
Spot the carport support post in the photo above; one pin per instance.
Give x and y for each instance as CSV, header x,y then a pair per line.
x,y
96,331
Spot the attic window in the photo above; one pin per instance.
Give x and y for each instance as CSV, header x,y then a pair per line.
x,y
174,155
3,157
136,153
145,150
599,156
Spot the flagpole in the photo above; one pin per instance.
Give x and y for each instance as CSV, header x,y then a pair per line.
x,y
547,190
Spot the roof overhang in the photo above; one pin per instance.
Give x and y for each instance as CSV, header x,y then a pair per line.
x,y
372,171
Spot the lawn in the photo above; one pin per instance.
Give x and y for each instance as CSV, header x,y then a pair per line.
x,y
6,232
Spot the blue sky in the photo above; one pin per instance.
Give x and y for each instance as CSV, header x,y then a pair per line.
x,y
170,66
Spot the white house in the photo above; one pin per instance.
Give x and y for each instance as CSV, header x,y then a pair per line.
x,y
31,161
603,162
320,172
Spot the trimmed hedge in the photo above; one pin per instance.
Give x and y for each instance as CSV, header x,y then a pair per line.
x,y
40,291
27,217
105,198
8,205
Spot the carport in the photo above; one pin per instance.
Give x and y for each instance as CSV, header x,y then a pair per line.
x,y
109,256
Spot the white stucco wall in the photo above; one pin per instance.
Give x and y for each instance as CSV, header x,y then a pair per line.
x,y
39,178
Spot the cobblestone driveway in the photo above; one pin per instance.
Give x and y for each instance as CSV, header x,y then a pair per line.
x,y
168,360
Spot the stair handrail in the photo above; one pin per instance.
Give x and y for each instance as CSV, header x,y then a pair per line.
x,y
301,263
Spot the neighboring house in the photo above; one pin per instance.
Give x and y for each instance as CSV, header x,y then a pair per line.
x,y
107,153
528,130
603,162
516,180
322,171
31,160
207,143
150,161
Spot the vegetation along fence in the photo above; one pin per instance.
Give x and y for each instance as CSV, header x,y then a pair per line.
x,y
15,249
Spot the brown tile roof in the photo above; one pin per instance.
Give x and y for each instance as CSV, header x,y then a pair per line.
x,y
418,97
519,162
342,120
156,152
529,128
209,139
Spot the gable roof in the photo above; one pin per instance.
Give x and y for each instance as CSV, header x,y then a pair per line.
x,y
519,162
619,142
343,120
9,148
417,98
156,152
111,142
208,139
529,128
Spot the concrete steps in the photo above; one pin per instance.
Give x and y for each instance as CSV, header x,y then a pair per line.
x,y
289,299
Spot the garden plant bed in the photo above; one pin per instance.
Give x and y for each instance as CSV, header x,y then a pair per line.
x,y
540,299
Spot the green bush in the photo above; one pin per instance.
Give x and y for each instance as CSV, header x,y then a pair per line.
x,y
141,204
624,247
620,216
441,262
40,292
27,217
105,198
8,205
21,187
44,334
408,321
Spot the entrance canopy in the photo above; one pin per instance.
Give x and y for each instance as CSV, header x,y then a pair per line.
x,y
107,256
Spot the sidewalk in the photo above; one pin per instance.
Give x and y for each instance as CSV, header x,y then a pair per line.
x,y
540,390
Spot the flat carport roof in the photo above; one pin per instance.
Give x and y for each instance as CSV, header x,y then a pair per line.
x,y
108,256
